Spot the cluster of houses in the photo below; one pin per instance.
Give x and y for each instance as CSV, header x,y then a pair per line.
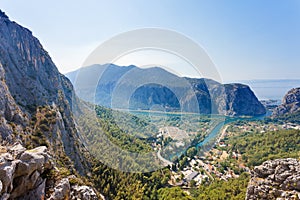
x,y
291,126
202,169
265,128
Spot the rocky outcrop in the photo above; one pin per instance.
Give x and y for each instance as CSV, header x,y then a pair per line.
x,y
290,103
61,190
276,179
23,175
21,172
83,192
157,87
64,190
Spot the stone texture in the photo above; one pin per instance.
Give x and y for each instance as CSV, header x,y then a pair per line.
x,y
61,190
20,170
83,192
276,179
37,193
290,103
23,172
16,150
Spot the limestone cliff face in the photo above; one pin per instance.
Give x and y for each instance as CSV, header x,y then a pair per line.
x,y
28,79
35,110
29,73
290,103
240,100
276,179
228,99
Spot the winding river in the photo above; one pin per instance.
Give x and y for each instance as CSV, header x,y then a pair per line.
x,y
210,140
216,130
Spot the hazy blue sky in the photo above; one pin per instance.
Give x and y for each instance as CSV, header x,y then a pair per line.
x,y
257,39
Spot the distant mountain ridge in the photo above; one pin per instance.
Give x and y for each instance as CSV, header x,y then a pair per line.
x,y
155,86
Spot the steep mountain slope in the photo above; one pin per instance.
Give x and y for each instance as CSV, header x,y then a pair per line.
x,y
35,110
30,79
290,103
152,87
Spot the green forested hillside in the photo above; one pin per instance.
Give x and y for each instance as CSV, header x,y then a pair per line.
x,y
175,193
220,189
115,184
259,147
253,146
293,118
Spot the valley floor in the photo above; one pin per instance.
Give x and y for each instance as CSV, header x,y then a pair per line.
x,y
228,160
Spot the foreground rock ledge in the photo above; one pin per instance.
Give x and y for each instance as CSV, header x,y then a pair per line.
x,y
276,179
23,172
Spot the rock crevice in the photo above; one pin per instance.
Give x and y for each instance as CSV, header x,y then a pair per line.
x,y
276,179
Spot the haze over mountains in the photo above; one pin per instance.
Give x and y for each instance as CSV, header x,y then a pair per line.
x,y
42,155
136,88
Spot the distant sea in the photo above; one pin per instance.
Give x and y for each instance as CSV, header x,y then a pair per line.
x,y
271,89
